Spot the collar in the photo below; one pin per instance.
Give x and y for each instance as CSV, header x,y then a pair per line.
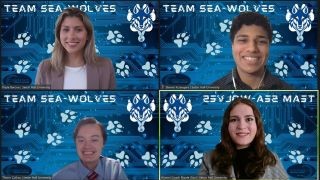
x,y
85,171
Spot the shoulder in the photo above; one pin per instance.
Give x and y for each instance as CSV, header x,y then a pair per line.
x,y
102,61
224,83
109,162
273,82
68,172
277,171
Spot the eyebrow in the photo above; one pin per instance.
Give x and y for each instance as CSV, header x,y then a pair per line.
x,y
244,35
90,136
236,116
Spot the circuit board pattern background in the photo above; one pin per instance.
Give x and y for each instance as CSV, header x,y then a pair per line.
x,y
45,118
40,25
204,28
277,117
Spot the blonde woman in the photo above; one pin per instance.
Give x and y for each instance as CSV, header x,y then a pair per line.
x,y
74,63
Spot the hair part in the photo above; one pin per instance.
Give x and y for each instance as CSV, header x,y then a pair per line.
x,y
225,151
58,53
90,120
250,18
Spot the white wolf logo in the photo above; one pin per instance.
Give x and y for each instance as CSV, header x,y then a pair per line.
x,y
300,20
177,110
141,20
141,110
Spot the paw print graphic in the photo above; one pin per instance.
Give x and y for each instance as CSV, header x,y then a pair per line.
x,y
225,26
181,39
22,156
267,139
115,127
276,37
122,69
296,156
181,66
295,130
68,116
203,127
22,66
196,159
281,68
23,39
308,69
50,48
115,37
23,129
54,139
149,159
123,158
213,49
169,159
149,69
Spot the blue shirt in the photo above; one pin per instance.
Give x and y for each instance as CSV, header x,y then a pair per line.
x,y
107,169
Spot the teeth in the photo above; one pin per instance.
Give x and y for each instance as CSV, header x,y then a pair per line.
x,y
72,43
87,152
250,58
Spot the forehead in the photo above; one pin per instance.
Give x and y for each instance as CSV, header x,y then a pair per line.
x,y
252,30
241,109
88,130
72,21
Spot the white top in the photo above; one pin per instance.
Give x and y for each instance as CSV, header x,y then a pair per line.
x,y
75,77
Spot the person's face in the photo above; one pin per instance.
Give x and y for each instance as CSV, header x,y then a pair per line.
x,y
242,125
250,49
73,35
89,142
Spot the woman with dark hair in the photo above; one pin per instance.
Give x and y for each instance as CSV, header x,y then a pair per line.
x,y
242,153
74,63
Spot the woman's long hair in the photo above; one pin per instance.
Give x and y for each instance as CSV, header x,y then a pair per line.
x,y
222,157
59,52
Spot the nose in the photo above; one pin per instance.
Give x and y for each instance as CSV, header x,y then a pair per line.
x,y
252,46
241,124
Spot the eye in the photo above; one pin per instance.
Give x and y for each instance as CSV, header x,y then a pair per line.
x,y
249,119
242,40
79,30
65,29
262,41
232,120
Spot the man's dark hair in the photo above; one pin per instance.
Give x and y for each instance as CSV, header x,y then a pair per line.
x,y
250,18
90,120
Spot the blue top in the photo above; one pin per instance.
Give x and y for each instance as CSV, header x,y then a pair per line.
x,y
107,168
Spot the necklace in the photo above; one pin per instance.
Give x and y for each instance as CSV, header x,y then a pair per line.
x,y
234,82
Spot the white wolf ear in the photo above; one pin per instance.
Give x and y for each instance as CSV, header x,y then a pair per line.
x,y
146,9
172,99
145,99
136,8
182,99
136,99
305,9
295,8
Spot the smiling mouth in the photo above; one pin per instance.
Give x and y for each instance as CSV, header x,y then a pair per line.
x,y
72,44
242,134
251,59
88,153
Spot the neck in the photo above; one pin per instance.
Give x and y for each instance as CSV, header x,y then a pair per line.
x,y
90,165
74,60
253,80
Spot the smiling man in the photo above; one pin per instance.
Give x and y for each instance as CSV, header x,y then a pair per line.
x,y
251,36
90,137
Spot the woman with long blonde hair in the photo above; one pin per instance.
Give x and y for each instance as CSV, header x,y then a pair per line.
x,y
74,63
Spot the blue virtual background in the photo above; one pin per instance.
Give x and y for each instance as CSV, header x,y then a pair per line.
x,y
290,128
28,37
196,48
28,129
